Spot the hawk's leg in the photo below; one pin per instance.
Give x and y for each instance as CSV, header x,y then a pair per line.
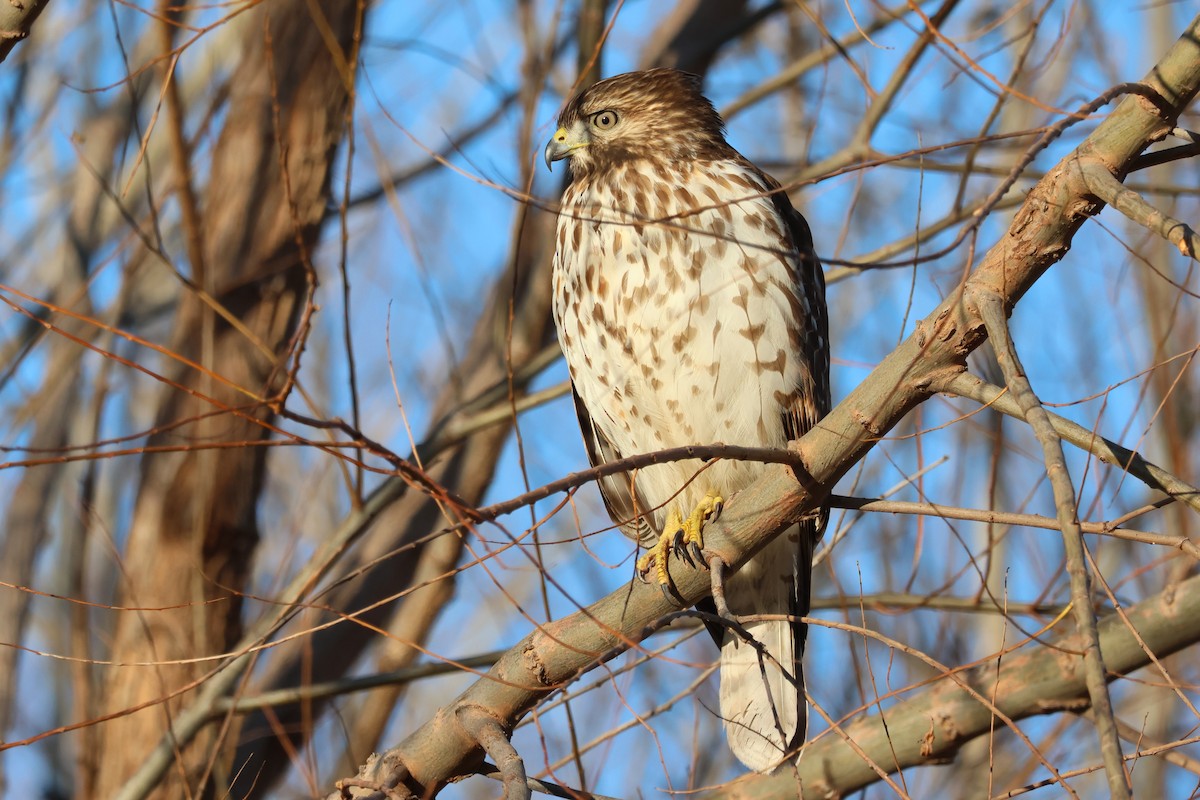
x,y
683,536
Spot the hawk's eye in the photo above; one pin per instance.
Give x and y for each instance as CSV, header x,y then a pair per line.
x,y
604,120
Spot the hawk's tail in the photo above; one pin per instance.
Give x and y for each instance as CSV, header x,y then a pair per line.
x,y
762,695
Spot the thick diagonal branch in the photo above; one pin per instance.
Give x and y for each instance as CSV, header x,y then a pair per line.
x,y
16,20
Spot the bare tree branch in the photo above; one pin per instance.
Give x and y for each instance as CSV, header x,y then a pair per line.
x,y
16,20
967,385
992,311
1106,186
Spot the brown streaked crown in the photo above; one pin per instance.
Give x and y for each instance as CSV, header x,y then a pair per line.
x,y
662,116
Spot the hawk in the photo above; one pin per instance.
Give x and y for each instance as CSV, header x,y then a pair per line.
x,y
691,309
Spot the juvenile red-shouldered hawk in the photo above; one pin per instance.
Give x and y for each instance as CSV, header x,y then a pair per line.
x,y
691,310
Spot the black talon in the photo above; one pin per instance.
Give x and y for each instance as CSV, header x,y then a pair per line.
x,y
698,555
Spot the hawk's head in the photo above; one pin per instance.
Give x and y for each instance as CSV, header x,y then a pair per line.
x,y
658,114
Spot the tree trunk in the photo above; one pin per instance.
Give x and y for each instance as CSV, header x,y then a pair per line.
x,y
194,529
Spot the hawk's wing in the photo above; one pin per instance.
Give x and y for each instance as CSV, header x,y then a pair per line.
x,y
804,415
810,401
625,505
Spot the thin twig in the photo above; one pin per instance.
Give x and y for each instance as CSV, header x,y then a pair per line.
x,y
335,688
1174,541
1160,157
1154,476
545,787
1106,186
1075,773
717,565
1140,739
995,319
790,74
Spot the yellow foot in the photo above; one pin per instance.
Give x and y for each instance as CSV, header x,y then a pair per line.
x,y
683,536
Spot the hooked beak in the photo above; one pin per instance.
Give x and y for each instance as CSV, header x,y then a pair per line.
x,y
561,145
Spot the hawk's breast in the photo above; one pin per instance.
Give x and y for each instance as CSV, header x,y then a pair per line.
x,y
676,300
